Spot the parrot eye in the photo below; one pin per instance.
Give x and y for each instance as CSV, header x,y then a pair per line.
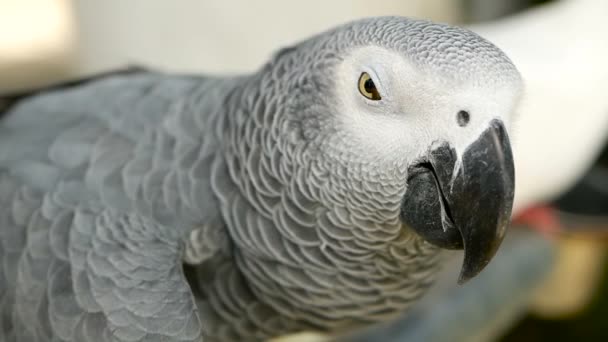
x,y
367,87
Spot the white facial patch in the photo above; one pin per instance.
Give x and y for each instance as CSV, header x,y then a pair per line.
x,y
418,107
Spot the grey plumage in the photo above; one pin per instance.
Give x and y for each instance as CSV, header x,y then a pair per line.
x,y
283,223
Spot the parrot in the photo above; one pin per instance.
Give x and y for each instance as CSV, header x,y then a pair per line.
x,y
315,193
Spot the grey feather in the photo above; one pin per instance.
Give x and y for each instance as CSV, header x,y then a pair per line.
x,y
108,187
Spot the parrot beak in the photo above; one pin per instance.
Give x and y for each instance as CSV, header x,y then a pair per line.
x,y
464,204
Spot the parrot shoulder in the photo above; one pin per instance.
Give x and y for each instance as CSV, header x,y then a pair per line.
x,y
8,100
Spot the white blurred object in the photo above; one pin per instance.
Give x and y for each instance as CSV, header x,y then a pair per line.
x,y
562,51
36,41
219,36
303,337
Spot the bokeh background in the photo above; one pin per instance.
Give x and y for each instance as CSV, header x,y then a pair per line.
x,y
549,281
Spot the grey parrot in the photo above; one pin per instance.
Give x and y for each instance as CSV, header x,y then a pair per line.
x,y
313,194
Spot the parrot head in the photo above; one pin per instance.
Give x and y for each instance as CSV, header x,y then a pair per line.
x,y
402,128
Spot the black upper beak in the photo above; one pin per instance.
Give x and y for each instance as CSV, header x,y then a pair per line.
x,y
467,205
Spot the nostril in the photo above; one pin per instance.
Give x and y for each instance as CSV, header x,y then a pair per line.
x,y
463,118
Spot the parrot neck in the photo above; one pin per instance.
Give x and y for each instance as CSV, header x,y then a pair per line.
x,y
299,244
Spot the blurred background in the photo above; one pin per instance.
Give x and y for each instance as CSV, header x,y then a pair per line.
x,y
550,280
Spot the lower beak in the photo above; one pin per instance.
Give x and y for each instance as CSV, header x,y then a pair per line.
x,y
465,205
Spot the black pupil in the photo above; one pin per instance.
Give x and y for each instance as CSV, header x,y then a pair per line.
x,y
369,85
